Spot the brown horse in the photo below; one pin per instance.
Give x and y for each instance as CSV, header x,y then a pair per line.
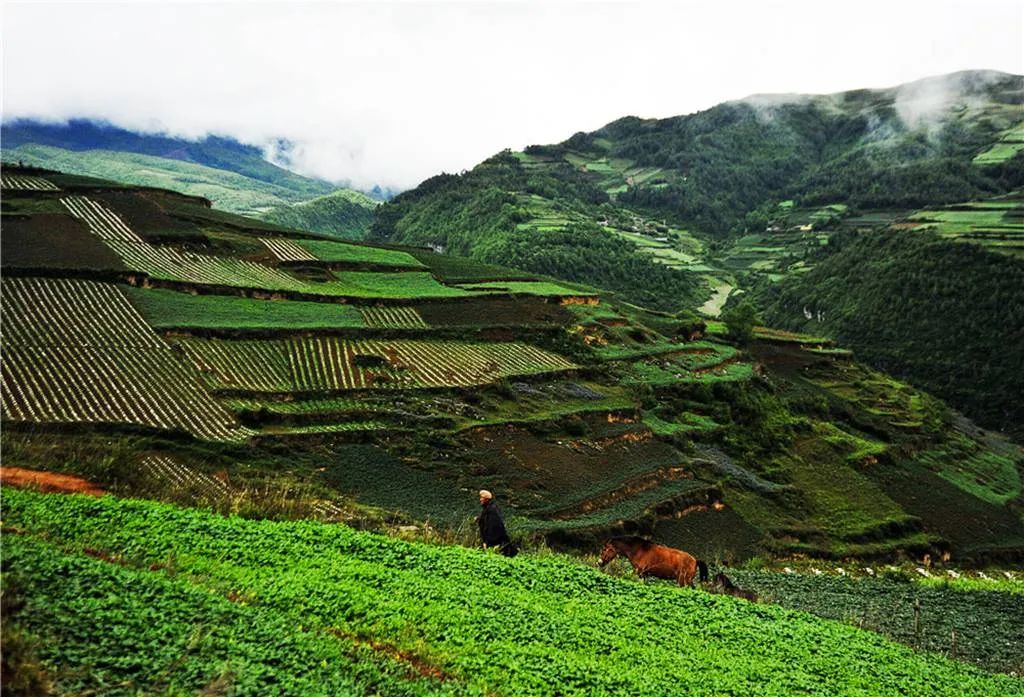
x,y
649,559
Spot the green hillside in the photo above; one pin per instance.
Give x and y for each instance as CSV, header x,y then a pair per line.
x,y
161,349
544,221
949,317
345,213
589,415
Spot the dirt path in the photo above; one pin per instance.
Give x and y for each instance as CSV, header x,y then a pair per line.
x,y
49,482
721,291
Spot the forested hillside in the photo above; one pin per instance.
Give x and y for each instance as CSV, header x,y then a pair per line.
x,y
947,316
345,213
537,219
677,212
903,147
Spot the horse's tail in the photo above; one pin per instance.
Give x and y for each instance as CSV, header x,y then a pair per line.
x,y
702,568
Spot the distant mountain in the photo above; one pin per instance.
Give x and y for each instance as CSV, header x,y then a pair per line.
x,y
234,176
907,146
227,190
213,151
343,213
912,145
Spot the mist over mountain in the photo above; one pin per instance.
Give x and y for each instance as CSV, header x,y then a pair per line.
x,y
235,176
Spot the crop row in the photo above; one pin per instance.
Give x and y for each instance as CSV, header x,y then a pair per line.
x,y
112,384
181,476
26,183
286,250
100,220
299,407
524,626
61,311
331,363
171,264
315,429
393,317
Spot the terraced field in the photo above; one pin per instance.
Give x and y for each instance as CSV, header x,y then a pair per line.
x,y
1011,143
186,267
286,250
997,224
22,182
586,416
78,352
331,364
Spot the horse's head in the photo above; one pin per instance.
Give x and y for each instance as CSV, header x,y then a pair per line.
x,y
608,553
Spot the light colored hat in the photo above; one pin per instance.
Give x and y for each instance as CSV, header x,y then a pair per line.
x,y
484,494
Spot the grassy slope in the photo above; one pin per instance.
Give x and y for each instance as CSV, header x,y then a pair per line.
x,y
530,626
228,190
345,213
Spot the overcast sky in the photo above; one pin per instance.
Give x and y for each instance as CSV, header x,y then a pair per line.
x,y
392,93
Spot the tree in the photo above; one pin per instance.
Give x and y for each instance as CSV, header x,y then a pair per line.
x,y
740,320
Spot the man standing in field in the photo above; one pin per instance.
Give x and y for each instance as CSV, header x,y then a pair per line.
x,y
492,525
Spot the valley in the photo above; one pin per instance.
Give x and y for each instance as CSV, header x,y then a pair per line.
x,y
265,405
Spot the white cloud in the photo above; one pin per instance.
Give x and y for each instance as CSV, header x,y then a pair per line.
x,y
391,93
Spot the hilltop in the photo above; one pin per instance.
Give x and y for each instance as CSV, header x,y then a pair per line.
x,y
345,214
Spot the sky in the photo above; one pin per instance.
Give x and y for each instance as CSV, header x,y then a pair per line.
x,y
390,93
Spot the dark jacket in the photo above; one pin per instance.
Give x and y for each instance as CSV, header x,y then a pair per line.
x,y
492,525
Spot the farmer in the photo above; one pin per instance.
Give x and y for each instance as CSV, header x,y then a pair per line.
x,y
490,522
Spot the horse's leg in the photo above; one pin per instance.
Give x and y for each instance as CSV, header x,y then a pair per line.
x,y
687,570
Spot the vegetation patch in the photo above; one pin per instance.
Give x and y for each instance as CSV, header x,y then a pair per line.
x,y
358,255
168,309
979,626
412,597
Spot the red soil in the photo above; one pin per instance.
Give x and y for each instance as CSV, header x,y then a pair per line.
x,y
47,481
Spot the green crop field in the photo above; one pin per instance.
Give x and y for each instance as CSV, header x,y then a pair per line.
x,y
383,284
1006,148
983,624
997,224
168,309
358,255
331,595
